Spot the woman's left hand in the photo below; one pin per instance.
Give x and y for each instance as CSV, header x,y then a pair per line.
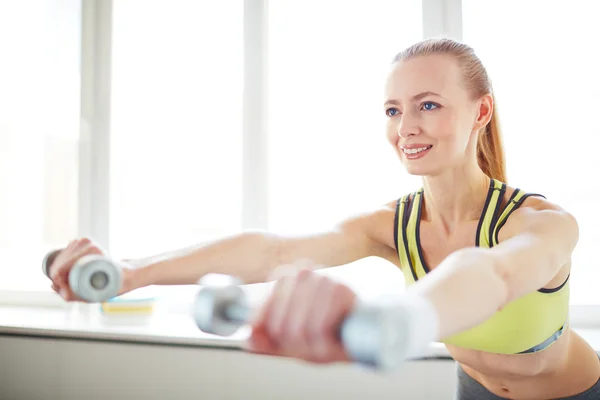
x,y
301,318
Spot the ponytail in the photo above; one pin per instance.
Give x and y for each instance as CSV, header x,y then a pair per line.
x,y
490,153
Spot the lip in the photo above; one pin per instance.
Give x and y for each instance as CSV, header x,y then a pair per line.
x,y
415,156
414,146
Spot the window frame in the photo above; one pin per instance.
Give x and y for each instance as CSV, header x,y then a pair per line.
x,y
440,18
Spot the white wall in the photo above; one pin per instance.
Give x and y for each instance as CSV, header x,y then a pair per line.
x,y
53,369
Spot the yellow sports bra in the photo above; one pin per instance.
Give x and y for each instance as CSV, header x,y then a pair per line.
x,y
529,324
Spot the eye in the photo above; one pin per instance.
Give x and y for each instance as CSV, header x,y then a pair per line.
x,y
428,106
391,112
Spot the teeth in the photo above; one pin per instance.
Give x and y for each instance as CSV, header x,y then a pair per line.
x,y
414,151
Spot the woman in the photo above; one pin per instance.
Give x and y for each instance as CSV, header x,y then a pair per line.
x,y
492,262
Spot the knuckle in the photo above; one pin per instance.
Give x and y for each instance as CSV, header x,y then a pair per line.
x,y
304,274
94,250
339,290
85,241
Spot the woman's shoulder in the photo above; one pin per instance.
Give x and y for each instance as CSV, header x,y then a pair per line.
x,y
527,197
523,207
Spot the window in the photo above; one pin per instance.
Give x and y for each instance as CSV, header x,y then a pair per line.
x,y
39,134
328,155
544,70
176,171
176,127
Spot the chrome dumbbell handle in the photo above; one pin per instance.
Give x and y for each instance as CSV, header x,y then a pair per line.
x,y
237,313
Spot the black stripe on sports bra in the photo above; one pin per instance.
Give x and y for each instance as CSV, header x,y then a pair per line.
x,y
482,216
517,205
418,235
556,289
396,217
496,214
407,211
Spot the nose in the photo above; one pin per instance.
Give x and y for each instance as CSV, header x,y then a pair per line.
x,y
408,126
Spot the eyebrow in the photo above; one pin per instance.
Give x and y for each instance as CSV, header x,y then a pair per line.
x,y
416,97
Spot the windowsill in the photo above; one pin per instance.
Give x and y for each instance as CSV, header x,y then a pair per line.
x,y
85,322
90,324
44,314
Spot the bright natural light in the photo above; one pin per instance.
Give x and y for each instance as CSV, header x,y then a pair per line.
x,y
176,130
39,134
247,132
176,124
328,156
546,80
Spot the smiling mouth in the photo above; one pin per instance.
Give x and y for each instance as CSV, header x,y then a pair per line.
x,y
416,150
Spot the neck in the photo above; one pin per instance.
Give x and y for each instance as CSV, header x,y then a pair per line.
x,y
455,196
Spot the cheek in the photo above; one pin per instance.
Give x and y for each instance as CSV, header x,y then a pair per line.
x,y
449,130
392,134
442,126
455,138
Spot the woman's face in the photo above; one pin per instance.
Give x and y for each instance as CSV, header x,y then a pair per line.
x,y
432,119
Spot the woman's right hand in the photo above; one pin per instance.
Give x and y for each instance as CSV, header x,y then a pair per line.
x,y
59,269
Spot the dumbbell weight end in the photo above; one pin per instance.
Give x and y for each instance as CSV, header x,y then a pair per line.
x,y
221,307
48,260
376,336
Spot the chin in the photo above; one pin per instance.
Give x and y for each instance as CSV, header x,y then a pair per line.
x,y
420,170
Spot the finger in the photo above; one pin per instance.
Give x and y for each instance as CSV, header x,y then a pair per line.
x,y
271,315
261,314
82,242
68,295
259,342
278,308
305,297
337,301
60,273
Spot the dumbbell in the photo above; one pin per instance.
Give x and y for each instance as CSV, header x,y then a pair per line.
x,y
93,278
372,335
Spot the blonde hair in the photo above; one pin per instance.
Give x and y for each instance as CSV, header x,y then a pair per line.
x,y
490,152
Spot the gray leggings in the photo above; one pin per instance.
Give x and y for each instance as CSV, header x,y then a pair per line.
x,y
469,389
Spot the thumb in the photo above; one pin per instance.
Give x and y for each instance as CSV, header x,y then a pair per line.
x,y
259,342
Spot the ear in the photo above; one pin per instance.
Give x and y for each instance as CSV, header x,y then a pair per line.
x,y
485,108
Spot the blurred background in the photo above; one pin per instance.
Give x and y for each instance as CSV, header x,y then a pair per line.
x,y
159,124
151,125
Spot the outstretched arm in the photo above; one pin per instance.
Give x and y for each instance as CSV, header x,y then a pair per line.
x,y
302,316
470,285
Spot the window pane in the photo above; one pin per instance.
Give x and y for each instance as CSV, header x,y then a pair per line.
x,y
545,75
328,156
176,123
39,134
